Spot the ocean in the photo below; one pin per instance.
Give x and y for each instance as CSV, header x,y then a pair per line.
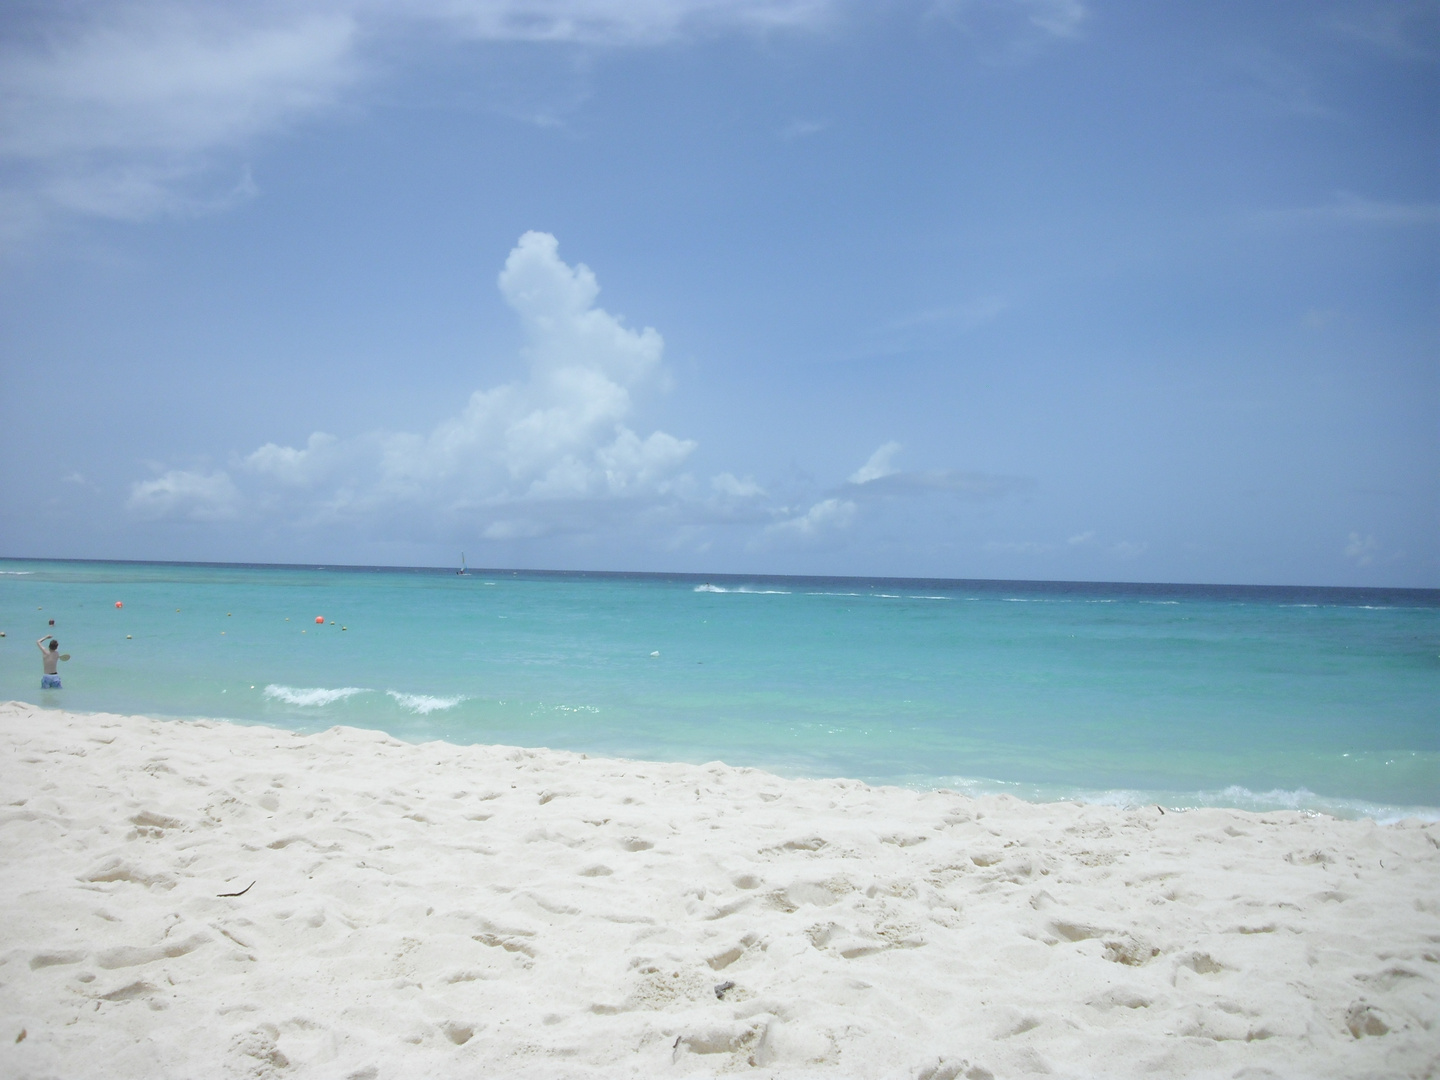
x,y
1184,695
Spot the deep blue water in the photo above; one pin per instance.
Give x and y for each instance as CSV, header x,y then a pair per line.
x,y
1257,697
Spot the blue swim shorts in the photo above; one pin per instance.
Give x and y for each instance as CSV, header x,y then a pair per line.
x,y
49,682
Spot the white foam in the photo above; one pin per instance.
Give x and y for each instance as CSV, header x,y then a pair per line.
x,y
1237,797
1233,797
707,587
16,573
424,704
311,697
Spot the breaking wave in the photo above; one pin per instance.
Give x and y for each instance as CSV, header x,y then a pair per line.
x,y
424,704
311,697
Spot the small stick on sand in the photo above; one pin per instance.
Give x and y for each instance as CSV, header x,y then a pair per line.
x,y
242,892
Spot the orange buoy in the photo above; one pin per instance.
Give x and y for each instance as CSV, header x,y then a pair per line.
x,y
119,604
319,618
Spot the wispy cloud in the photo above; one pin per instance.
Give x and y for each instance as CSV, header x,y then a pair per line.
x,y
150,107
879,479
1274,83
1362,549
1023,26
1087,541
130,113
877,466
145,108
799,129
1063,18
1404,29
1347,208
969,315
611,23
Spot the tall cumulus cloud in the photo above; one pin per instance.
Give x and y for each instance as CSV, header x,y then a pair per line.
x,y
521,459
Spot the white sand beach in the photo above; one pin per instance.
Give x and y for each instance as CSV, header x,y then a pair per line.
x,y
445,911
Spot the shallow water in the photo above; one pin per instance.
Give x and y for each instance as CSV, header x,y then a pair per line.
x,y
1319,699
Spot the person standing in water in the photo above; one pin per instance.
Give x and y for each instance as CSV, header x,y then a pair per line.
x,y
51,679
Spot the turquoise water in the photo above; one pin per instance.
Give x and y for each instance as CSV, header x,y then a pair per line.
x,y
1188,695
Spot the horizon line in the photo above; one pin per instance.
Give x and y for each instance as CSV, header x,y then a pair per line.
x,y
1430,591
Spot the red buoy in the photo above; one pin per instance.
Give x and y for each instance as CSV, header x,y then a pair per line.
x,y
319,618
119,604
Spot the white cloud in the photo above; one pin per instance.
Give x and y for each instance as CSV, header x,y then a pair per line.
x,y
148,107
1362,549
122,113
180,493
1079,539
520,459
730,486
1129,549
553,451
878,465
822,517
141,108
291,466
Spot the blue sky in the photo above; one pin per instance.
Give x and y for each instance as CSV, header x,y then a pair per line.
x,y
984,288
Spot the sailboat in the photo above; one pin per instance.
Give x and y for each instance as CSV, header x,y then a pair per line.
x,y
462,564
